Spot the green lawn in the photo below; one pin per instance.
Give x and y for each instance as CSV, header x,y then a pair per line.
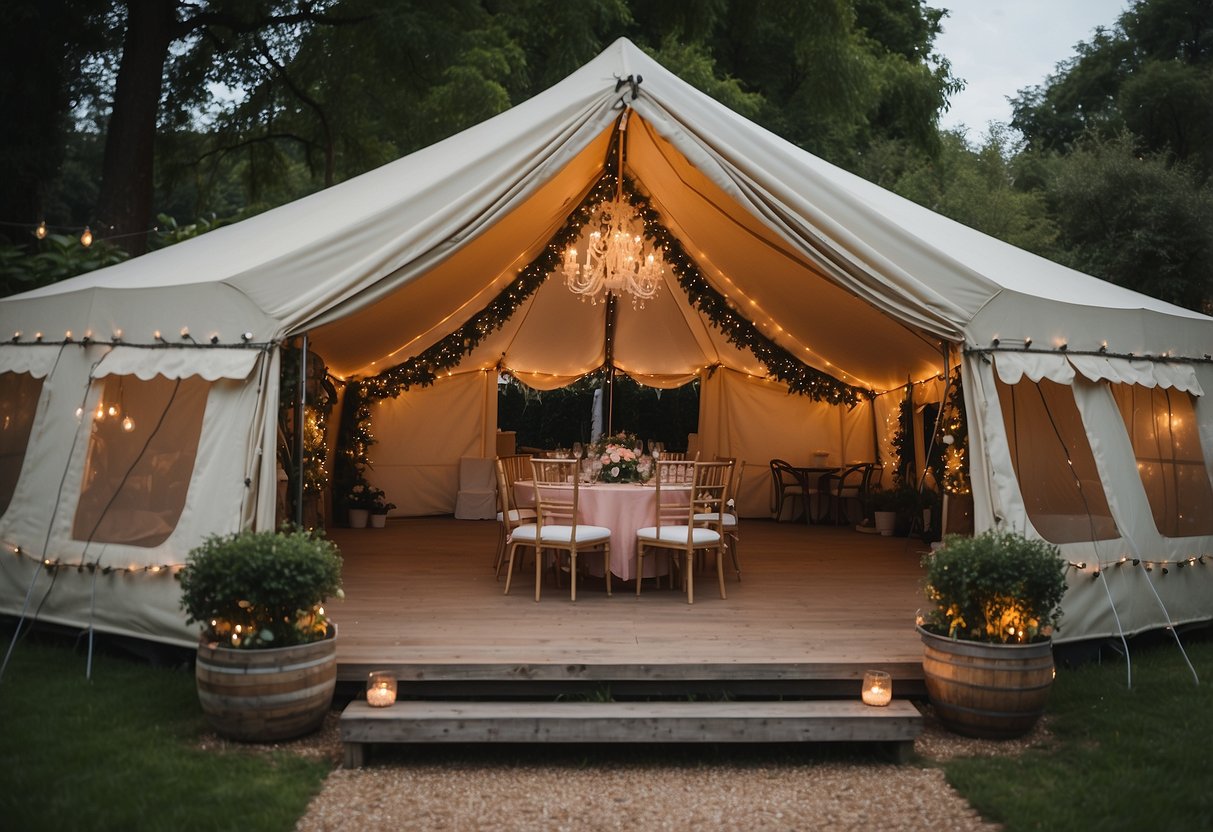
x,y
1121,759
121,752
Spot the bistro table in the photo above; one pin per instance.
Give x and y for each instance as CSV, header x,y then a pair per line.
x,y
812,479
622,507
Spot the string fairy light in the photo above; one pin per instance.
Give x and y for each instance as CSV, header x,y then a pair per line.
x,y
56,565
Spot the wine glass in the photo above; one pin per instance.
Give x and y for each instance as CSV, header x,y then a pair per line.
x,y
578,450
656,449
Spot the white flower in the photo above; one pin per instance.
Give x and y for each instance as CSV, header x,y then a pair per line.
x,y
615,471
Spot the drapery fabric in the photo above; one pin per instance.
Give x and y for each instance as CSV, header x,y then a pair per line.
x,y
177,363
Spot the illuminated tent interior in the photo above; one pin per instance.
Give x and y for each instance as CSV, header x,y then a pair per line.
x,y
1087,420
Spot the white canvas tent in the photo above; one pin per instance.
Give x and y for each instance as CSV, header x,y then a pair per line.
x,y
1069,381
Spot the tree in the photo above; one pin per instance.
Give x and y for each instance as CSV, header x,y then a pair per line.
x,y
42,46
274,98
1151,73
976,186
1136,220
151,28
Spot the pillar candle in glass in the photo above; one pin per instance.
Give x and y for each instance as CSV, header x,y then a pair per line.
x,y
380,689
877,688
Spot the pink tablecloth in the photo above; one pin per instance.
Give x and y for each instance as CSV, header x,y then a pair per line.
x,y
623,508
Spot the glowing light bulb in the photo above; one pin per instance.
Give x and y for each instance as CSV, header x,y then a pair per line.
x,y
128,424
40,231
86,239
112,410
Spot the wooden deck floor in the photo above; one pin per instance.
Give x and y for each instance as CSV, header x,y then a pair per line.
x,y
814,603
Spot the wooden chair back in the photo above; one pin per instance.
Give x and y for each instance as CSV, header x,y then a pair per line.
x,y
677,476
517,467
557,492
509,471
708,495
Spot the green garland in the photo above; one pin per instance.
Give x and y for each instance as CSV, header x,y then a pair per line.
x,y
800,378
903,440
446,354
955,479
425,368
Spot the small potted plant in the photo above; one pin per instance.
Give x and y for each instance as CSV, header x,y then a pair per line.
x,y
987,634
884,503
379,507
267,657
895,510
359,501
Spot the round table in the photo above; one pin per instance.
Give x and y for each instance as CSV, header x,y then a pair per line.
x,y
623,508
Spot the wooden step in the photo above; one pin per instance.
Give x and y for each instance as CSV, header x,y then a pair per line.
x,y
822,720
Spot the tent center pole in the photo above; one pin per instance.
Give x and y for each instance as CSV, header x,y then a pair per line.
x,y
608,351
299,431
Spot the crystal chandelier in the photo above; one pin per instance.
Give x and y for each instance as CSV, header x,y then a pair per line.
x,y
615,259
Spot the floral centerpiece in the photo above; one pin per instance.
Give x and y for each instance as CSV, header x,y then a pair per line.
x,y
618,457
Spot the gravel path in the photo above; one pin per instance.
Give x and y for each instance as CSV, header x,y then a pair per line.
x,y
474,788
640,796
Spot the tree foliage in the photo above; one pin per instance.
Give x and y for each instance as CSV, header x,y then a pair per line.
x,y
213,106
1151,74
254,104
1136,220
975,185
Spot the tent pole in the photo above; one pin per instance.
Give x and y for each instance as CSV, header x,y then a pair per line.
x,y
299,432
609,358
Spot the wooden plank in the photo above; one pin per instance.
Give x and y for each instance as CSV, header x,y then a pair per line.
x,y
817,603
649,722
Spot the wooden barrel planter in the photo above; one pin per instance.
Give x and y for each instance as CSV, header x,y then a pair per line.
x,y
266,695
993,691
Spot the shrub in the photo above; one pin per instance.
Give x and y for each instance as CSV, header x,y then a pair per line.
x,y
261,589
996,587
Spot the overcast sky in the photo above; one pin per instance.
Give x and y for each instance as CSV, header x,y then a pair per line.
x,y
1001,46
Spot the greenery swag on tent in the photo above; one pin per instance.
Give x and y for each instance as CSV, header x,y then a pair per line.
x,y
424,368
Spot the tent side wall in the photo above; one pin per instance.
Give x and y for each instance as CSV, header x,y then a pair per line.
x,y
103,515
756,420
421,436
1085,491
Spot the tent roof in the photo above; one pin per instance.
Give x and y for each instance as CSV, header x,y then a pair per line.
x,y
847,276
